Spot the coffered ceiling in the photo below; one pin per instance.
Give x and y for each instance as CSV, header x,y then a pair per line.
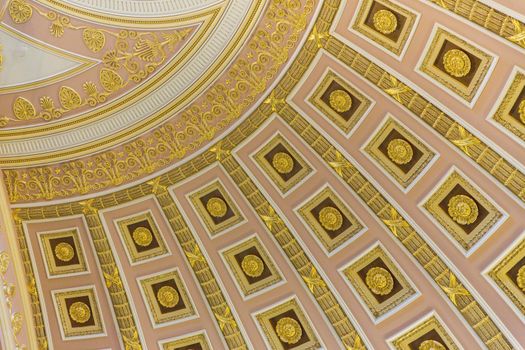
x,y
283,174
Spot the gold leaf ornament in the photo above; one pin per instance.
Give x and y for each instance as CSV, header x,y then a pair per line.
x,y
23,109
521,110
340,101
431,345
331,218
79,312
463,209
252,265
94,39
142,236
69,98
385,21
20,11
64,251
520,279
282,162
379,281
288,330
216,207
399,151
168,296
111,81
457,63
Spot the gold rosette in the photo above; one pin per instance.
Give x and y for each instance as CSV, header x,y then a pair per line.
x,y
520,279
64,251
288,330
168,296
521,109
216,207
399,151
431,345
252,265
282,162
340,101
379,281
79,312
142,236
462,209
457,63
385,22
331,218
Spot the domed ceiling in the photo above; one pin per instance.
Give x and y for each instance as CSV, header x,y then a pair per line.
x,y
282,174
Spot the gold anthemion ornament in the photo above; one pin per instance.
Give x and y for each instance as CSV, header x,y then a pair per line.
x,y
379,281
288,330
252,265
20,11
94,39
23,109
431,345
463,209
79,312
216,207
340,101
457,63
168,296
69,98
282,162
331,218
520,279
142,236
399,151
64,251
385,22
521,110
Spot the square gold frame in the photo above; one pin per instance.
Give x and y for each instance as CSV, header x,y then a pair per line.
x,y
404,292
57,267
283,185
509,275
425,327
68,328
153,303
466,240
511,103
215,228
241,278
395,41
466,91
264,318
134,254
404,178
345,125
330,244
185,342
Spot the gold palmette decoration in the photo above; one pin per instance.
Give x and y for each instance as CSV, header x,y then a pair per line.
x,y
142,236
79,312
216,207
288,330
431,345
252,265
457,63
379,281
463,209
330,218
520,278
64,252
340,101
521,110
282,162
385,21
399,151
168,296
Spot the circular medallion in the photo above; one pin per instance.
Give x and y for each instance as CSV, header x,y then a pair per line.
x,y
379,281
462,209
520,279
340,101
79,312
399,151
385,22
20,11
142,236
168,296
431,345
331,218
521,110
288,330
216,207
252,265
456,63
282,162
64,251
